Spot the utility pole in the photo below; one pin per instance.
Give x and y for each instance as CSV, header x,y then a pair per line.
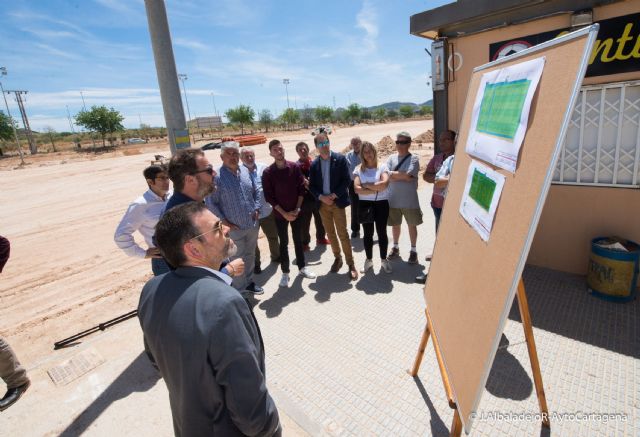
x,y
215,110
25,121
286,87
84,107
182,78
334,103
3,72
70,123
166,69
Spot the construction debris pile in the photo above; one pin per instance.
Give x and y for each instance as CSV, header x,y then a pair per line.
x,y
424,137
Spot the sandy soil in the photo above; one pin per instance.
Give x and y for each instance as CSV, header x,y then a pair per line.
x,y
65,273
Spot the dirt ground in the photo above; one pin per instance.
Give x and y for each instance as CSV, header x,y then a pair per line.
x,y
60,211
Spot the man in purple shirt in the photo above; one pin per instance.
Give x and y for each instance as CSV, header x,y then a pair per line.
x,y
284,189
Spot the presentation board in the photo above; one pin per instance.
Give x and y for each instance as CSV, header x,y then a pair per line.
x,y
472,282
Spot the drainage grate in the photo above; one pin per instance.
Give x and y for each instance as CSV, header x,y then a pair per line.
x,y
75,367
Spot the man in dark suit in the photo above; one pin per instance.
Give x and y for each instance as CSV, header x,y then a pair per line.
x,y
329,183
202,334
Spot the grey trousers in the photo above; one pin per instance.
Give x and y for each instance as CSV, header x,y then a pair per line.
x,y
246,241
13,374
268,225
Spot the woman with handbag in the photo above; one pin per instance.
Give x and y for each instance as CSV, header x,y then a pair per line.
x,y
370,184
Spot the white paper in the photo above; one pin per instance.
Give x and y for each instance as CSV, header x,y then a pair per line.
x,y
480,198
501,113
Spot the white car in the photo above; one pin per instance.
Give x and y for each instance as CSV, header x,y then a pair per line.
x,y
135,141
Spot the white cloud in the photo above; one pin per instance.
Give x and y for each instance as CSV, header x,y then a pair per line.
x,y
190,44
367,20
120,6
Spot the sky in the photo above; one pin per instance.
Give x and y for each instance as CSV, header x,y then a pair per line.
x,y
353,51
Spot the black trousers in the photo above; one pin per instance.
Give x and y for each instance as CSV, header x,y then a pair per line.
x,y
283,236
308,209
355,200
380,214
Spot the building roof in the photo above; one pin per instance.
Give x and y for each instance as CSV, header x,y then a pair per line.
x,y
471,16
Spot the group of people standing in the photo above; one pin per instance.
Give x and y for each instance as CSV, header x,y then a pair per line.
x,y
199,331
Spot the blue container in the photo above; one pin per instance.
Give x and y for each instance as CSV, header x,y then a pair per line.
x,y
613,274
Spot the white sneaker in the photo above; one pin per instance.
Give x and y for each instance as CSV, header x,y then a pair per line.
x,y
368,265
386,266
284,282
306,273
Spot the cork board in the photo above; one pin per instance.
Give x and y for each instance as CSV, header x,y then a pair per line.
x,y
471,284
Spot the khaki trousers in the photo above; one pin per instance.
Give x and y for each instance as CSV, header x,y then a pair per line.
x,y
334,220
13,374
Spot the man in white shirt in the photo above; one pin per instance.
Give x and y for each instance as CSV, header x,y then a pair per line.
x,y
142,216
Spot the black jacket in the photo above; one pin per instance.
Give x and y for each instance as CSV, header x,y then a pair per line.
x,y
339,179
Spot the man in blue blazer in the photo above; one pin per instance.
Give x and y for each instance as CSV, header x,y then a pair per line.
x,y
329,181
202,334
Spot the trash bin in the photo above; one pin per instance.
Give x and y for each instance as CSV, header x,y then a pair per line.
x,y
613,268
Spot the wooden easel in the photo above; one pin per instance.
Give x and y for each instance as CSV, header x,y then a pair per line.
x,y
523,305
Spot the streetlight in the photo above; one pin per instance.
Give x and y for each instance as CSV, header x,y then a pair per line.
x,y
3,72
215,110
182,78
286,87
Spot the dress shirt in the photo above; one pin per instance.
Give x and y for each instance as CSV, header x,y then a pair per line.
x,y
283,186
325,166
256,177
236,199
226,278
353,159
142,216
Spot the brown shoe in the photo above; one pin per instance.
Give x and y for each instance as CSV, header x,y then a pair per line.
x,y
353,273
336,266
413,257
394,254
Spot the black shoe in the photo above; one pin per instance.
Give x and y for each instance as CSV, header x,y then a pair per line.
x,y
12,396
422,279
355,234
257,269
255,289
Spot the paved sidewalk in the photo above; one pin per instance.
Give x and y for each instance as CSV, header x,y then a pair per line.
x,y
337,355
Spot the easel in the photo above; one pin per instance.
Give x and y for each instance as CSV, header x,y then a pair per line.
x,y
523,305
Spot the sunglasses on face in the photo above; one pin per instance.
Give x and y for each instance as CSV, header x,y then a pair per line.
x,y
322,144
217,227
403,142
208,170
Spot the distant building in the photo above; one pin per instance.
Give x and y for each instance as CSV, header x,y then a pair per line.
x,y
206,122
595,185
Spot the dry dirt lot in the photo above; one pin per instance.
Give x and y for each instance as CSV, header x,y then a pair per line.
x,y
65,273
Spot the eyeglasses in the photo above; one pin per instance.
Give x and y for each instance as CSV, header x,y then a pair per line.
x,y
208,170
217,227
403,142
322,144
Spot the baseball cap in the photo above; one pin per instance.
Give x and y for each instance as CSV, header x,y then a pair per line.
x,y
403,134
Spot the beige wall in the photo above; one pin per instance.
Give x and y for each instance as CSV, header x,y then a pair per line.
x,y
572,215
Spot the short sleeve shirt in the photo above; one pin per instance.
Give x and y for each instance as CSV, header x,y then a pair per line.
x,y
404,194
368,176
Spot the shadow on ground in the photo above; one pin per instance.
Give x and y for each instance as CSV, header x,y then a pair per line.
x,y
508,379
139,376
438,427
559,303
284,296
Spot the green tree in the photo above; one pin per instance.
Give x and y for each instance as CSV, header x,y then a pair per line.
x,y
290,116
307,116
266,119
324,114
365,114
6,129
50,133
379,113
242,115
392,114
406,111
101,119
352,113
426,110
145,131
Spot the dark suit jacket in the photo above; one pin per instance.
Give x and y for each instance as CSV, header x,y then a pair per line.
x,y
205,340
339,179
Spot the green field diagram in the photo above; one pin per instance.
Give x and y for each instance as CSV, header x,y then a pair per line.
x,y
482,189
501,108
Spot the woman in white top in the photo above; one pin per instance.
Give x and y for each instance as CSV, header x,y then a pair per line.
x,y
370,184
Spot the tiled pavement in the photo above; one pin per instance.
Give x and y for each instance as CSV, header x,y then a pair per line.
x,y
338,353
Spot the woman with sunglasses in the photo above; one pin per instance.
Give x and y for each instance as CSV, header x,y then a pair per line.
x,y
370,183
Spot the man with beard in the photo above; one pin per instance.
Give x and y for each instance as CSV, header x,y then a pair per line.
x,y
193,180
202,334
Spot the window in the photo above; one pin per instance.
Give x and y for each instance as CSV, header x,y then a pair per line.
x,y
602,146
